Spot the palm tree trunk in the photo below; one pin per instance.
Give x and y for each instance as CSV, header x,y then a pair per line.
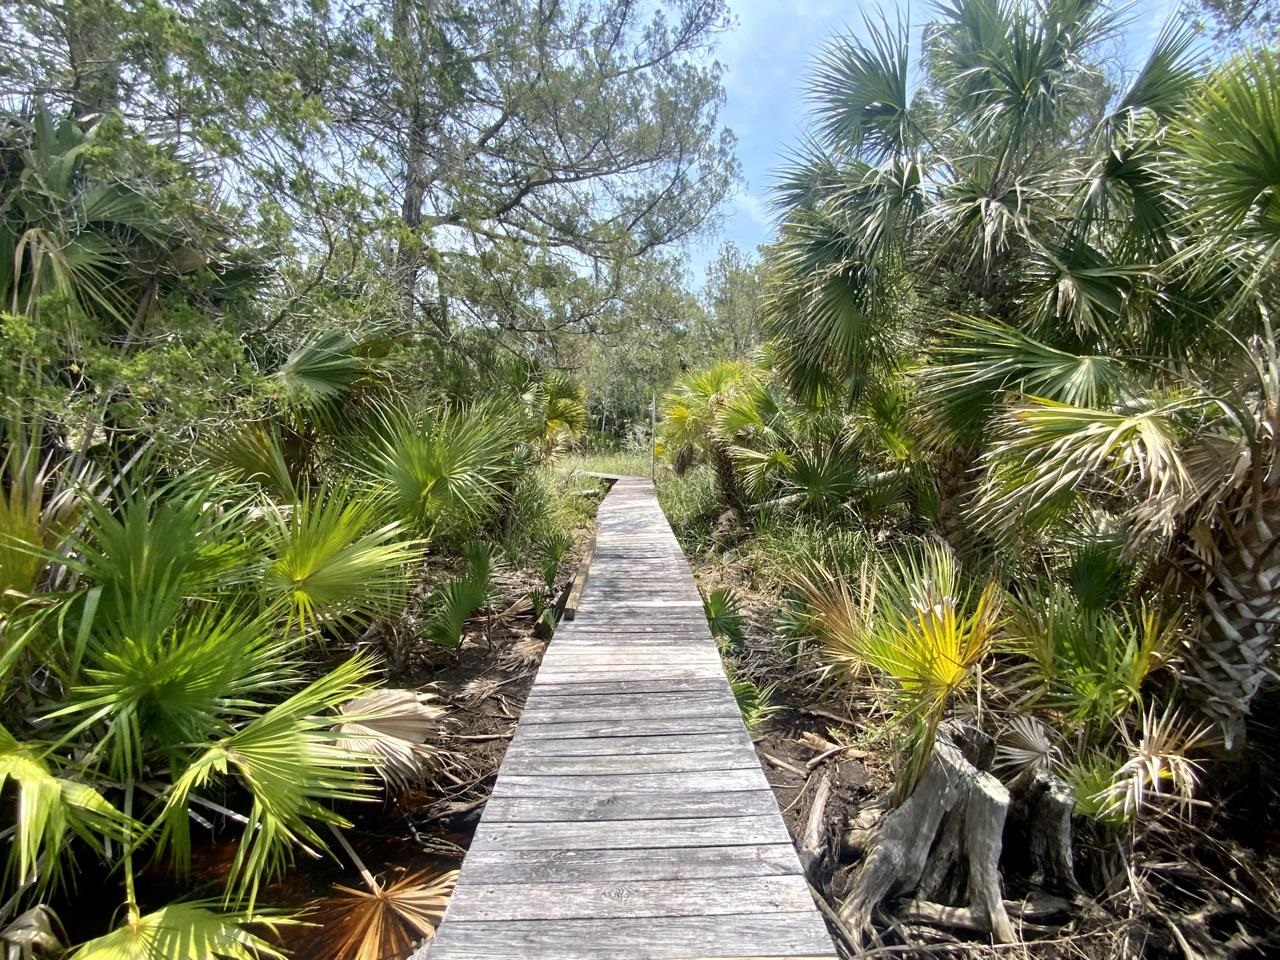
x,y
726,474
955,485
1239,617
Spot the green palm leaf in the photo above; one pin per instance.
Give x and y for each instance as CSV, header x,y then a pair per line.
x,y
1046,450
153,686
1231,165
986,358
322,369
862,92
445,470
182,931
51,809
333,559
289,761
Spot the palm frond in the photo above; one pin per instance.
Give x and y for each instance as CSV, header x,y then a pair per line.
x,y
175,542
1045,450
332,559
446,470
385,922
289,761
1230,163
51,810
755,702
1169,76
1089,664
984,359
396,728
254,453
862,92
1160,774
184,931
154,685
452,604
724,615
321,370
909,621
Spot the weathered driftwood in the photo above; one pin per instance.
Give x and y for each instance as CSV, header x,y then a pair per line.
x,y
814,842
944,839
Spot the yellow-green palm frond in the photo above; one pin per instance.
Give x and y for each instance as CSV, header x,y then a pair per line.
x,y
184,931
334,558
51,810
291,764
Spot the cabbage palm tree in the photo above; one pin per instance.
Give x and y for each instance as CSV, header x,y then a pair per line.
x,y
556,406
691,421
1093,263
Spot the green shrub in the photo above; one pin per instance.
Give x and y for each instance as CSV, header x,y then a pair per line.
x,y
622,463
453,602
754,701
691,504
544,505
782,543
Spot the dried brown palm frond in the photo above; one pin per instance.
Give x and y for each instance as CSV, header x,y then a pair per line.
x,y
397,728
384,922
1025,747
477,690
523,653
519,608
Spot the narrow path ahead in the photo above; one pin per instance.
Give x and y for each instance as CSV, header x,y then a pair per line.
x,y
630,817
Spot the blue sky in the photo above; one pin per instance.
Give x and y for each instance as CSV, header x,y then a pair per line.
x,y
767,57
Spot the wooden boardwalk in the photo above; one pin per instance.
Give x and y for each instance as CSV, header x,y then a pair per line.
x,y
631,818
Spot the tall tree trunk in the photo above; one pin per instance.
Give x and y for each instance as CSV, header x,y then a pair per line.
x,y
1240,615
409,252
416,159
93,41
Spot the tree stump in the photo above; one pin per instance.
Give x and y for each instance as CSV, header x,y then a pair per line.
x,y
943,841
1042,808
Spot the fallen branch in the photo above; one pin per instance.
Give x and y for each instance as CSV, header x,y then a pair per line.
x,y
812,845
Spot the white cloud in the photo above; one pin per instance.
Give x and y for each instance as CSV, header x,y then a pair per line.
x,y
753,208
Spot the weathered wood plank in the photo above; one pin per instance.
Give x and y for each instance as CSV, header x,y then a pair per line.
x,y
687,726
740,936
576,710
622,834
646,806
533,763
652,863
696,685
671,744
611,899
563,673
698,781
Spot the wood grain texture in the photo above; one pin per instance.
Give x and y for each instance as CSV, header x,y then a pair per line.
x,y
630,817
610,899
614,806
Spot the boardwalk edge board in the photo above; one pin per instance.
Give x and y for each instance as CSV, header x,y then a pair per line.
x,y
630,817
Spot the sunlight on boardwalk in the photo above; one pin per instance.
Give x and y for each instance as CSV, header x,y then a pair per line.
x,y
630,817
